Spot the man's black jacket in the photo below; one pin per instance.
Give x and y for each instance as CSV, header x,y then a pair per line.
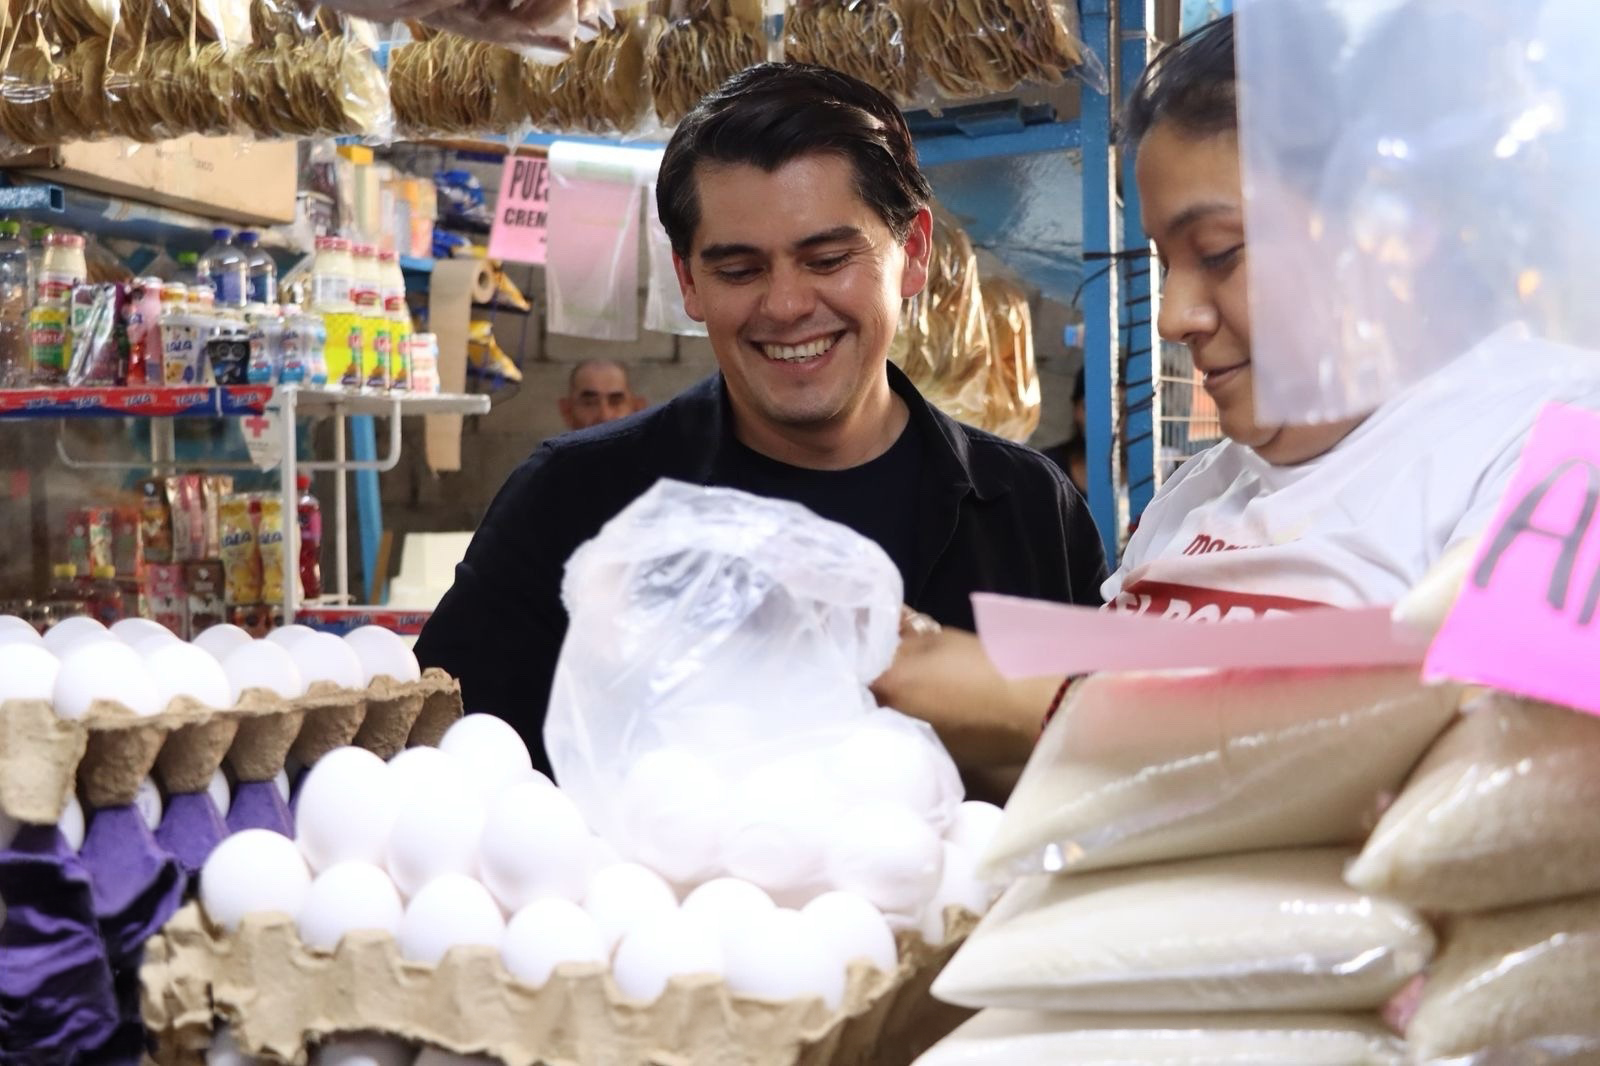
x,y
994,517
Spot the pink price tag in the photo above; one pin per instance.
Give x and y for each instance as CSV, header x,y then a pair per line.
x,y
521,214
1528,618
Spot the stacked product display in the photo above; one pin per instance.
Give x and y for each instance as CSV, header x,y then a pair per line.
x,y
1251,867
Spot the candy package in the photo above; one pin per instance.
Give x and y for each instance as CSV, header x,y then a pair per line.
x,y
268,508
188,518
155,521
241,558
99,335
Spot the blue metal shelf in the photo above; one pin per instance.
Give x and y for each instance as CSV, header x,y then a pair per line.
x,y
116,217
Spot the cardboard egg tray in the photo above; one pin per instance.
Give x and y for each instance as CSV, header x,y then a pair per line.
x,y
278,997
105,756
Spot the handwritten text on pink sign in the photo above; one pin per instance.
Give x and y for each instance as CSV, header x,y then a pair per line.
x,y
1527,620
521,213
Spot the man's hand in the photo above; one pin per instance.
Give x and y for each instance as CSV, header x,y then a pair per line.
x,y
943,677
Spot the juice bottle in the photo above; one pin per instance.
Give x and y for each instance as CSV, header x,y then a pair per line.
x,y
310,517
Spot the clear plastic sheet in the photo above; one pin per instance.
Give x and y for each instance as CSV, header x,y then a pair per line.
x,y
1418,174
710,711
1512,987
866,39
1274,930
972,48
1019,1037
1499,813
693,46
1152,767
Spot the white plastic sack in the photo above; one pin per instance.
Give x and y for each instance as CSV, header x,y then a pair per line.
x,y
1512,987
1501,812
1015,1038
1154,767
1270,931
710,712
1418,173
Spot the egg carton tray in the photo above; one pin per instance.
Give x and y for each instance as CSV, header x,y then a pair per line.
x,y
279,997
106,755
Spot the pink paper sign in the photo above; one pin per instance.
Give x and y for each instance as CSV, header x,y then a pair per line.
x,y
1028,638
521,213
1528,618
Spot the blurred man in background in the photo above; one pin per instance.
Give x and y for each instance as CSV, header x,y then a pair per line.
x,y
598,391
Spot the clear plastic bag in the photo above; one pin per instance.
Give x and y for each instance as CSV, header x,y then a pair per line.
x,y
710,711
866,39
450,85
1014,398
330,85
1152,767
663,303
1417,175
1019,1037
972,48
1269,931
943,341
601,88
1513,986
1499,813
693,46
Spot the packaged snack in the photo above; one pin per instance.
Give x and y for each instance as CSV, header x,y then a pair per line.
x,y
269,538
188,518
213,487
100,529
126,555
99,333
183,349
228,354
165,598
207,591
78,541
155,521
241,559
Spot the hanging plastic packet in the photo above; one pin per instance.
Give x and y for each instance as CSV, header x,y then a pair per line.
x,y
241,558
1014,398
99,335
694,46
943,342
866,39
601,88
977,47
269,539
592,259
663,305
450,84
325,85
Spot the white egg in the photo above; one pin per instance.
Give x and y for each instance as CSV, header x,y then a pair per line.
x,y
147,645
450,911
534,844
779,956
262,664
27,672
885,852
364,1051
426,769
220,792
104,670
383,654
782,816
959,885
224,1051
491,748
8,830
14,628
70,632
253,871
889,764
854,929
547,933
324,657
218,640
71,824
601,854
974,826
726,901
673,814
147,801
625,895
432,1056
669,945
434,833
346,809
345,897
181,669
288,636
281,780
132,630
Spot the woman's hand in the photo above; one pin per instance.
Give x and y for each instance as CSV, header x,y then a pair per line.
x,y
943,677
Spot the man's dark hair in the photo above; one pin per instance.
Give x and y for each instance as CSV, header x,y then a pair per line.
x,y
1192,83
572,378
771,114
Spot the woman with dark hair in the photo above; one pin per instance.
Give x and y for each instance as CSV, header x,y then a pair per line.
x,y
1277,517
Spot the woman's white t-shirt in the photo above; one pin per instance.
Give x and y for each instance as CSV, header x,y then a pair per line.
x,y
1232,536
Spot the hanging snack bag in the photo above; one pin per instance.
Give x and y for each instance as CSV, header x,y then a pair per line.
x,y
155,521
213,488
694,46
866,39
188,518
269,539
977,47
241,558
207,593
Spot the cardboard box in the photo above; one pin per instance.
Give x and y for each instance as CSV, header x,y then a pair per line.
x,y
227,178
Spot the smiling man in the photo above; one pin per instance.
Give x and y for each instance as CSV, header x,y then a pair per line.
x,y
799,224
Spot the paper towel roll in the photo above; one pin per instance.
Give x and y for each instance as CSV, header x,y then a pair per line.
x,y
605,162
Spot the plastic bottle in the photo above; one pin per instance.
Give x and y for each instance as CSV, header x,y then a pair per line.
x,y
105,596
310,515
262,287
144,332
226,268
37,235
15,296
330,275
188,268
62,269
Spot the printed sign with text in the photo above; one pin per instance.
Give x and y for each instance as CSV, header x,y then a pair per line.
x,y
1528,618
521,213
